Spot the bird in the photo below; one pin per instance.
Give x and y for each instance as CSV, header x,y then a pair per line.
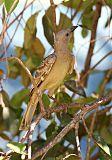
x,y
50,74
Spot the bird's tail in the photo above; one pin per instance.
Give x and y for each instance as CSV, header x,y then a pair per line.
x,y
29,113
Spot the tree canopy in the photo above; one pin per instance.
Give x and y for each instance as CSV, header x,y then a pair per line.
x,y
78,123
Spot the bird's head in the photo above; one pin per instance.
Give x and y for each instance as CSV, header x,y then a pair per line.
x,y
65,34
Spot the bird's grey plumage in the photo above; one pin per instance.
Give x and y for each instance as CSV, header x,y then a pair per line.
x,y
51,73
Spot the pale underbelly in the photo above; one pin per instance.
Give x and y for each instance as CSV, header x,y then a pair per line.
x,y
55,77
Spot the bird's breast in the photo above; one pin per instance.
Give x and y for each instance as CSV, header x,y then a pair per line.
x,y
57,74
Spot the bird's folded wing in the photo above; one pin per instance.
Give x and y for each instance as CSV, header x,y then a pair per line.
x,y
43,70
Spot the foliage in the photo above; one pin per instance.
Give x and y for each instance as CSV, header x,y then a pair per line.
x,y
32,53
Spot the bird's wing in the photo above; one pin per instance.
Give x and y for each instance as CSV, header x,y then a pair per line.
x,y
43,70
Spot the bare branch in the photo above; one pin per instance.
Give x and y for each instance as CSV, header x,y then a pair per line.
x,y
29,146
77,139
77,117
93,36
101,60
90,136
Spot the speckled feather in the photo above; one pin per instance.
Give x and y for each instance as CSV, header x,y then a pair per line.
x,y
50,74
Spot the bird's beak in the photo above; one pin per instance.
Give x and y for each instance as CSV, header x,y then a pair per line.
x,y
73,28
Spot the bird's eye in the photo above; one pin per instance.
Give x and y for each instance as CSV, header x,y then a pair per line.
x,y
67,34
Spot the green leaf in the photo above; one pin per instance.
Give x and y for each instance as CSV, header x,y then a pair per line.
x,y
19,51
32,44
104,131
17,147
37,47
70,136
25,80
51,128
9,4
71,85
63,25
47,24
84,32
14,69
14,126
102,144
30,30
72,4
109,3
32,61
63,97
46,100
64,119
20,97
16,156
83,7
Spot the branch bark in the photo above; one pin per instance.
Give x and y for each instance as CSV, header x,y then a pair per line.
x,y
53,16
77,117
89,136
93,36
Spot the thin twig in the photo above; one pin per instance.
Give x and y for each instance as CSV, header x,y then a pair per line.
x,y
77,139
93,41
12,35
29,145
33,125
92,68
89,136
102,46
89,133
104,111
2,34
105,81
21,63
10,24
101,60
24,137
48,111
85,126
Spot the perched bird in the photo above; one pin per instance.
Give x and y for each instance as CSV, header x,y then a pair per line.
x,y
50,74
